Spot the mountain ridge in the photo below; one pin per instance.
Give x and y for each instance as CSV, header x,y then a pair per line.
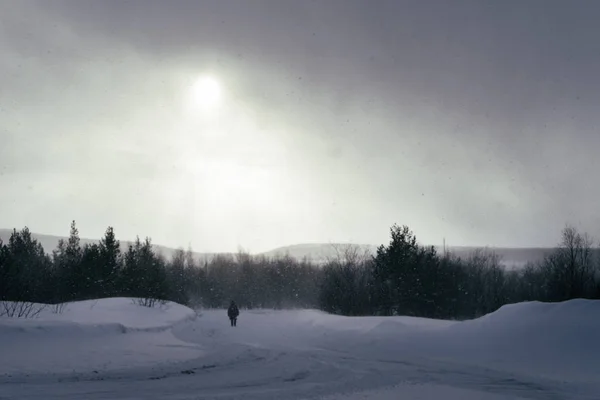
x,y
318,252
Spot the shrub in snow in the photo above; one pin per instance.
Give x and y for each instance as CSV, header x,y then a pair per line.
x,y
20,309
57,308
148,302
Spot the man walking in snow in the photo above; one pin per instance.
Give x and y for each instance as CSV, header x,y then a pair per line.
x,y
232,313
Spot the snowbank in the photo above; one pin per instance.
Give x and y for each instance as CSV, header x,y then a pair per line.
x,y
555,340
91,335
322,320
117,314
126,312
559,338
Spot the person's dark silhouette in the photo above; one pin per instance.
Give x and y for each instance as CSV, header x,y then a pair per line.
x,y
232,313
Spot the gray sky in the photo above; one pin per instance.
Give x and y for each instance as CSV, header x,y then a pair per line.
x,y
477,121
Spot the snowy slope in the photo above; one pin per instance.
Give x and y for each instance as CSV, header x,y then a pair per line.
x,y
93,335
119,311
523,351
559,340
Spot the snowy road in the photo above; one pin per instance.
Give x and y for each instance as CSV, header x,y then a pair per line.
x,y
304,355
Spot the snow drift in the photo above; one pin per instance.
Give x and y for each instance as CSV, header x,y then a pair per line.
x,y
544,339
548,338
92,335
528,350
117,314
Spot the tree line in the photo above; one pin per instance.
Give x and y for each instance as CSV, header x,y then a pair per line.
x,y
403,278
74,272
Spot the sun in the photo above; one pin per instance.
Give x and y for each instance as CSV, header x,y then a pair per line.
x,y
205,94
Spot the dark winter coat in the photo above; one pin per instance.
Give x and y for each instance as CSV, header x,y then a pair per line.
x,y
233,311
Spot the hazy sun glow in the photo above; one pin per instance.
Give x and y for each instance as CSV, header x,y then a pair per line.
x,y
205,94
228,167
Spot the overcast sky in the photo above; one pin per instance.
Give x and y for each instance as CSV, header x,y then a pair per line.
x,y
477,121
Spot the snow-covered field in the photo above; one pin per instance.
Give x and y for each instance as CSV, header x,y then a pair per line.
x,y
114,349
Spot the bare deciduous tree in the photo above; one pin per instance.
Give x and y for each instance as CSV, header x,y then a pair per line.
x,y
20,309
148,302
570,269
58,308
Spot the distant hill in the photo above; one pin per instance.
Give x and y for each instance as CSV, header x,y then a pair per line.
x,y
511,257
50,242
316,252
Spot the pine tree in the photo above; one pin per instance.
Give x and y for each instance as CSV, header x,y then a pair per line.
x,y
396,274
110,256
4,271
91,269
153,267
75,275
26,268
144,274
131,278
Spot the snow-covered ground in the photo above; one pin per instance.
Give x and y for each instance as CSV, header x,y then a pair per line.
x,y
93,336
114,349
